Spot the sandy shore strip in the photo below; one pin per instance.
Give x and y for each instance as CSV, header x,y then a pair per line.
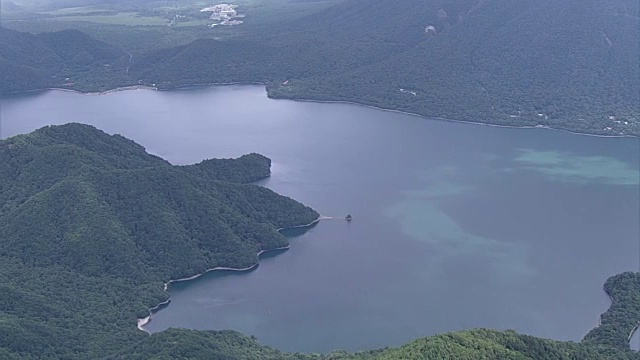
x,y
144,321
146,87
450,120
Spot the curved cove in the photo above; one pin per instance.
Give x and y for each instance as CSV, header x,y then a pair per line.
x,y
289,232
455,226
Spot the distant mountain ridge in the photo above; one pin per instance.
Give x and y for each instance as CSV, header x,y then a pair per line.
x,y
92,226
570,64
55,59
566,64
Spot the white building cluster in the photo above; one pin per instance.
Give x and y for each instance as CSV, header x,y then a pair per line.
x,y
224,14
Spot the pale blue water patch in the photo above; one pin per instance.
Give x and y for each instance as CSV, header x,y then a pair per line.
x,y
421,218
565,166
455,226
424,221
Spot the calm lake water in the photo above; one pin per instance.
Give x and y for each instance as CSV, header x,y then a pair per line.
x,y
455,226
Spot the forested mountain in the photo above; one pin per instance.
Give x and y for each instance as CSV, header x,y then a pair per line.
x,y
619,322
570,64
66,58
608,341
244,169
477,344
92,226
74,285
566,64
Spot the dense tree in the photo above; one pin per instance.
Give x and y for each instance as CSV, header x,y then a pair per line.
x,y
622,317
569,64
91,226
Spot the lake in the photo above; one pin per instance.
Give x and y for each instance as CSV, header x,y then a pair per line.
x,y
455,226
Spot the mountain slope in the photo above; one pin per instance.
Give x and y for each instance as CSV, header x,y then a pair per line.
x,y
568,64
54,59
91,221
477,344
91,227
622,317
608,341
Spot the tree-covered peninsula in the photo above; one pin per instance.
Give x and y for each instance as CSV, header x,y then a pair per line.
x,y
92,226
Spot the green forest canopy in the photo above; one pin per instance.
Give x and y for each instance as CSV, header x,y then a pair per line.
x,y
569,64
92,226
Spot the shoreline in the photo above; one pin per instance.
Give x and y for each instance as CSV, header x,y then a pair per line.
x,y
257,83
86,93
633,331
449,120
141,322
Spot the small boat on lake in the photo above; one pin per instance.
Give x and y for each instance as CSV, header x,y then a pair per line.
x,y
348,217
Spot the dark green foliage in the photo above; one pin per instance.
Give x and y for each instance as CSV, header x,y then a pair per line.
x,y
67,58
210,61
91,226
484,344
569,64
213,345
480,344
244,169
71,45
565,64
622,317
501,62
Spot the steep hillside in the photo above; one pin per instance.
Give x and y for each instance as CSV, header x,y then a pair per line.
x,y
67,58
608,341
76,47
207,61
571,65
477,344
91,226
401,22
623,317
23,61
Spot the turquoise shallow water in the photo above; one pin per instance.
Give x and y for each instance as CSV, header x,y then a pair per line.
x,y
455,225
